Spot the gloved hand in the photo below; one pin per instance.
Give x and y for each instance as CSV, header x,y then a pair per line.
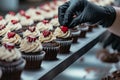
x,y
114,41
85,12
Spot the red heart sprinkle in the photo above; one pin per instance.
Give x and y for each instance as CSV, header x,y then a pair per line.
x,y
1,17
45,21
31,38
12,13
9,46
32,29
56,16
28,17
22,12
38,13
10,34
46,33
14,21
64,29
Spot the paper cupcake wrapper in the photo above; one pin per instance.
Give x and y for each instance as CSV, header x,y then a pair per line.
x,y
82,34
51,52
64,46
33,61
13,71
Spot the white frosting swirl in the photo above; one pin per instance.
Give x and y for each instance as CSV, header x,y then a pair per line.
x,y
26,22
12,26
16,39
41,26
28,47
27,33
49,38
4,31
3,22
55,22
60,34
9,17
47,15
9,56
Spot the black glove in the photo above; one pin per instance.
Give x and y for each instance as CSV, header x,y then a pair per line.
x,y
114,41
86,12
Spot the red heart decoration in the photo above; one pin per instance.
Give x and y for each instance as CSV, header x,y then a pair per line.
x,y
46,33
1,17
45,21
38,13
32,29
12,13
9,46
31,38
2,27
10,34
22,12
27,17
14,21
64,28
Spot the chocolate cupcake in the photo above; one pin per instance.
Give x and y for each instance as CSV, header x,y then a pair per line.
x,y
75,34
31,49
63,36
12,37
107,57
31,31
49,45
11,62
83,30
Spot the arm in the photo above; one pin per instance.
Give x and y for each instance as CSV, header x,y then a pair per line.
x,y
115,28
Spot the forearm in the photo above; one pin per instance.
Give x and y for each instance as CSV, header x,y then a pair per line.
x,y
115,28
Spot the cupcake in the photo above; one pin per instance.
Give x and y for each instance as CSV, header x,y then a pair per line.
x,y
11,62
55,23
75,32
107,57
63,36
2,21
12,37
49,45
46,11
15,26
11,16
35,14
83,30
44,25
20,14
31,31
31,49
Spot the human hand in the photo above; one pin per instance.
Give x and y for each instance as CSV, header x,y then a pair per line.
x,y
85,12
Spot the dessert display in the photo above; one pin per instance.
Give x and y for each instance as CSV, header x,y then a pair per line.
x,y
49,45
12,37
11,62
63,37
32,52
75,32
107,57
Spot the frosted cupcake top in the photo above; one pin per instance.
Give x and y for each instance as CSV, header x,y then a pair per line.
x,y
31,31
62,32
55,22
9,53
11,37
30,44
26,20
46,36
11,16
3,30
2,21
44,25
14,25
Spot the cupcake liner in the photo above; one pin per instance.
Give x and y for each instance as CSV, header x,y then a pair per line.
x,y
33,61
64,46
82,34
51,52
13,70
75,36
90,29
